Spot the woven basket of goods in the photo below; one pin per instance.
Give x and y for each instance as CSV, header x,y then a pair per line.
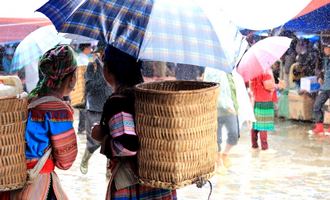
x,y
78,94
176,122
13,116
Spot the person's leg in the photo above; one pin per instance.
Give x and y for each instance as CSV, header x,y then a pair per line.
x,y
91,145
232,126
263,138
91,119
318,112
254,138
82,121
219,141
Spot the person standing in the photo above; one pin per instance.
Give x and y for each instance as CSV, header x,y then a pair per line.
x,y
324,94
7,59
288,60
83,58
50,136
117,130
97,92
232,113
262,87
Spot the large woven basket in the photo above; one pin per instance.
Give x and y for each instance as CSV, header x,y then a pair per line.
x,y
177,125
13,115
78,94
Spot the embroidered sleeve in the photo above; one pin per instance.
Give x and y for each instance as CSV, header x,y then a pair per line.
x,y
122,130
63,139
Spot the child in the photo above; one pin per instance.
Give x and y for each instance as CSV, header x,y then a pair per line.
x,y
262,88
117,130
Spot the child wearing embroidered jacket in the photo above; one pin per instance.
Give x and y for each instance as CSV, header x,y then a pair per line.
x,y
117,130
50,137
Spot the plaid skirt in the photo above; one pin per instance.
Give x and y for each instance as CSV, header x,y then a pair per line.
x,y
141,192
264,113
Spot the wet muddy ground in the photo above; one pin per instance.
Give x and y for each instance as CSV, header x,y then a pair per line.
x,y
297,166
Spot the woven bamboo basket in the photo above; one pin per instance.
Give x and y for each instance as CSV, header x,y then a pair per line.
x,y
177,125
78,94
13,116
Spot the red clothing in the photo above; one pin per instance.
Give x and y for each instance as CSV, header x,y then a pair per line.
x,y
47,168
275,97
259,92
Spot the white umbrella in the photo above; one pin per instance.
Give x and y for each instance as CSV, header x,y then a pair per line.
x,y
260,14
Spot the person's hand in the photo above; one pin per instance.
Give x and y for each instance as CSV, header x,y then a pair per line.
x,y
97,133
281,84
320,81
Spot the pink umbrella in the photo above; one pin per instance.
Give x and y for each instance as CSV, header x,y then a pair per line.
x,y
262,55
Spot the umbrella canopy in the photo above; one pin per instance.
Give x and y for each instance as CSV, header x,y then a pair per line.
x,y
16,29
79,39
260,15
313,5
173,31
35,45
262,55
313,22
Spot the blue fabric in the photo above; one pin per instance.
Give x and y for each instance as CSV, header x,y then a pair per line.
x,y
37,134
6,64
59,10
184,32
315,21
120,23
230,122
326,67
34,46
158,30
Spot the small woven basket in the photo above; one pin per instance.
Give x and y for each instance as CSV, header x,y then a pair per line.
x,y
177,125
13,116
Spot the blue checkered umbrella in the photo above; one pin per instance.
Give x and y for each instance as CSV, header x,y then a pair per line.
x,y
35,45
182,31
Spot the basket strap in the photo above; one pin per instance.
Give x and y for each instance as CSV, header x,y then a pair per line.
x,y
33,173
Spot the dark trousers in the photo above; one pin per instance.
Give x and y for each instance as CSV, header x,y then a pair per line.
x,y
91,119
82,120
318,105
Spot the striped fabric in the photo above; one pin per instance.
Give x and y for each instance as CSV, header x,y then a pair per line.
x,y
57,117
145,193
54,119
184,32
121,124
50,122
119,150
64,149
264,113
160,30
39,189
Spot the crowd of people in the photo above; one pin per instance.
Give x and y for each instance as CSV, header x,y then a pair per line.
x,y
107,114
307,58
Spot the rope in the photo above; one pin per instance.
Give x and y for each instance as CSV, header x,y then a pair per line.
x,y
201,182
211,188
